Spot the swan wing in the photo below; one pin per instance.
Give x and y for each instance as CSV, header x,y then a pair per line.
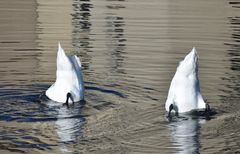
x,y
78,87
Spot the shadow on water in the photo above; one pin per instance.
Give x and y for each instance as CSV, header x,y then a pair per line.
x,y
22,105
23,108
116,93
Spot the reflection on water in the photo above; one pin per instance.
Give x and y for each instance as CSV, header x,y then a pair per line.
x,y
115,40
17,42
186,135
68,121
68,129
82,29
233,51
68,124
129,52
115,34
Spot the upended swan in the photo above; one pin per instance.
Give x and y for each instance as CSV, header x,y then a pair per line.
x,y
69,80
184,92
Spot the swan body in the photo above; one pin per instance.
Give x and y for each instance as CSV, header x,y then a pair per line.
x,y
184,92
69,79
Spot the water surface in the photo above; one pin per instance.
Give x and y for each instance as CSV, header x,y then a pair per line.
x,y
129,52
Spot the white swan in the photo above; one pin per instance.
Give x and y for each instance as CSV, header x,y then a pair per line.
x,y
184,92
69,79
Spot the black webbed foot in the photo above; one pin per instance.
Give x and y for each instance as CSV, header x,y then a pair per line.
x,y
169,116
207,108
170,109
207,111
69,95
66,104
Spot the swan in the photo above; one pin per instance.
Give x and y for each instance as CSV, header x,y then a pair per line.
x,y
69,80
184,92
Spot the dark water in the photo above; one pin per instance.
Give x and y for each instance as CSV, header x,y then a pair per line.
x,y
129,52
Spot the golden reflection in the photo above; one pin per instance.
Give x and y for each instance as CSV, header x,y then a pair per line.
x,y
18,47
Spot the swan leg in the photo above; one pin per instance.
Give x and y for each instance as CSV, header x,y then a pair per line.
x,y
41,96
207,109
170,109
69,95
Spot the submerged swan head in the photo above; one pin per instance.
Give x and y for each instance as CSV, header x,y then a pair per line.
x,y
69,79
184,92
